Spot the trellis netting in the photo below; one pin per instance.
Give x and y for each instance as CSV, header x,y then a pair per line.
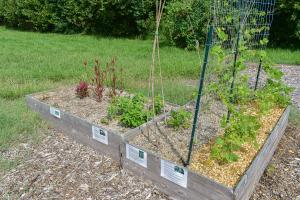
x,y
240,32
206,89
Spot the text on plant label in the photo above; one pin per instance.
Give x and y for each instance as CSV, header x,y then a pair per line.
x,y
136,155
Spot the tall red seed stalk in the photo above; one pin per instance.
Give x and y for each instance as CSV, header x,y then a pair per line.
x,y
121,81
113,77
99,81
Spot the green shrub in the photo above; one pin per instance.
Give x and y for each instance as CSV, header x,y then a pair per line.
x,y
285,31
185,22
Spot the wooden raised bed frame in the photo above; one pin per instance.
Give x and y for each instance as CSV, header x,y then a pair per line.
x,y
201,187
197,186
80,129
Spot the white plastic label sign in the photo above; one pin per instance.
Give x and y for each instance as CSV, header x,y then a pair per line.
x,y
55,112
100,135
174,173
136,155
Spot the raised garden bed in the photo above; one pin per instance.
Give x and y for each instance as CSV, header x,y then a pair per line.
x,y
156,156
81,119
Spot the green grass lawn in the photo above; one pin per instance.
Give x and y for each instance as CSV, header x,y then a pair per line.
x,y
32,62
285,56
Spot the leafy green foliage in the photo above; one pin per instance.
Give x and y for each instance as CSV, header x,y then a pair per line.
x,y
185,22
241,128
130,111
119,18
285,31
179,119
158,104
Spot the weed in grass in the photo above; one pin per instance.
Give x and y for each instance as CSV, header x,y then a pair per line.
x,y
6,165
271,169
17,123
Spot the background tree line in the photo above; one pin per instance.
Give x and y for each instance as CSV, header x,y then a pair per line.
x,y
183,22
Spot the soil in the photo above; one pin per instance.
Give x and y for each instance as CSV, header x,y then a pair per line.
x,y
281,179
172,144
87,108
229,174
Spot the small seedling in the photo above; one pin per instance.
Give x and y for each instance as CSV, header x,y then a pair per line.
x,y
158,105
179,119
105,120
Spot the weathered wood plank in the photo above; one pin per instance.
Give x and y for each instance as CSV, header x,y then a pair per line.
x,y
198,187
248,182
78,129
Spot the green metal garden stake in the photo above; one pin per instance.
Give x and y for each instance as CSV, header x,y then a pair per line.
x,y
201,83
236,53
258,74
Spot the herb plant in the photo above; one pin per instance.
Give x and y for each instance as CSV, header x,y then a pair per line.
x,y
131,111
179,119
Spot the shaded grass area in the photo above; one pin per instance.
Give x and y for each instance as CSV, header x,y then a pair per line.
x,y
33,62
285,56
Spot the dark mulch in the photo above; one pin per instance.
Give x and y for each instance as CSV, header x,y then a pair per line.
x,y
281,179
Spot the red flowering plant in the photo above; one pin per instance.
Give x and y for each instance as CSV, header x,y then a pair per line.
x,y
82,90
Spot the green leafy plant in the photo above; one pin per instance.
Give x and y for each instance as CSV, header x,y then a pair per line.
x,y
158,104
179,119
105,120
131,111
241,128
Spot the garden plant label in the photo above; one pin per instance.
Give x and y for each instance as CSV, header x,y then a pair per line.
x,y
55,112
136,155
174,173
100,135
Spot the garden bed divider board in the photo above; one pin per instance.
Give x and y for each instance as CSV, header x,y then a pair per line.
x,y
102,140
198,187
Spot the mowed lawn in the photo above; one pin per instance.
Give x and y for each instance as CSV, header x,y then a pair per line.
x,y
33,62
